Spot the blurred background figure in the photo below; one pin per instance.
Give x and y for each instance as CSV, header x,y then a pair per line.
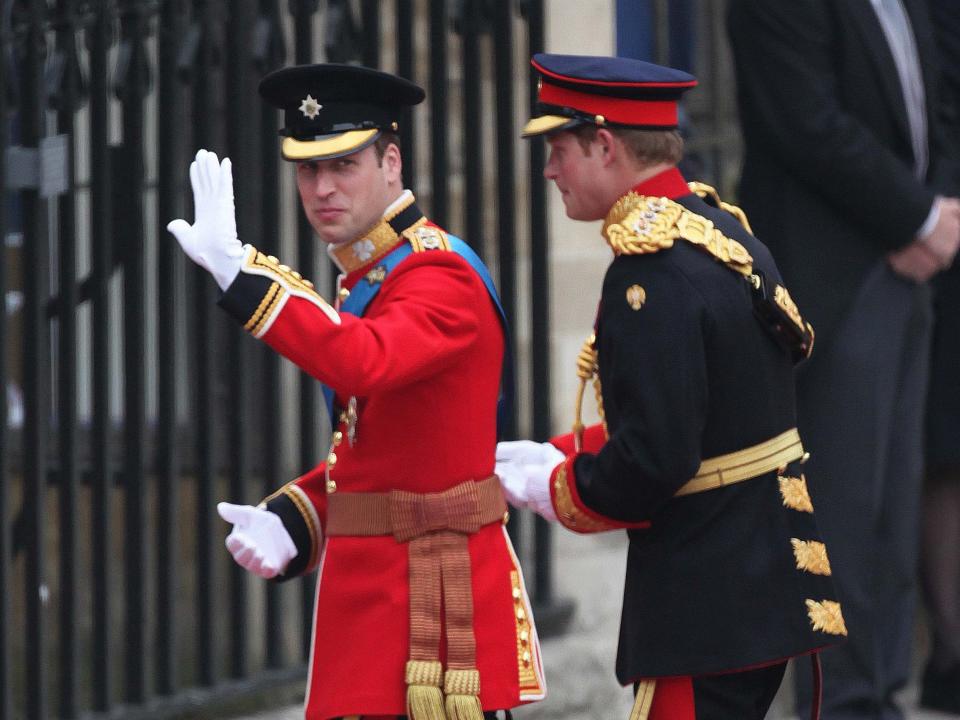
x,y
848,176
940,552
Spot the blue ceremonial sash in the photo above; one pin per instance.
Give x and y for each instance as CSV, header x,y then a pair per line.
x,y
365,290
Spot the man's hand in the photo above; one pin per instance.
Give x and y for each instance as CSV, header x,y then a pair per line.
x,y
211,241
926,256
259,542
944,239
914,262
524,469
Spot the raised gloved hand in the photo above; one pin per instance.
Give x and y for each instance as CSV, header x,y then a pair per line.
x,y
524,468
259,542
211,242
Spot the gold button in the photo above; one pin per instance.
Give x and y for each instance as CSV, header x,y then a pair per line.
x,y
521,614
805,457
524,637
516,593
332,459
600,119
526,658
344,293
331,486
337,437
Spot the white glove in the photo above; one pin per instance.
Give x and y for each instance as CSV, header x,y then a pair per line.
x,y
259,542
524,468
211,242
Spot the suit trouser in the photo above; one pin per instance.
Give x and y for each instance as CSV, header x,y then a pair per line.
x,y
861,405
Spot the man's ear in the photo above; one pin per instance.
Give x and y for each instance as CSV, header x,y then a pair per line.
x,y
392,163
607,146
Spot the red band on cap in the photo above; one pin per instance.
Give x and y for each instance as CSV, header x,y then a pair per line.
x,y
626,111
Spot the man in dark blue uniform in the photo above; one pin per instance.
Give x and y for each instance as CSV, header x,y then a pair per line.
x,y
698,456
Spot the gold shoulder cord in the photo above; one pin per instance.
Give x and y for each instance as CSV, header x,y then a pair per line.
x,y
587,370
702,190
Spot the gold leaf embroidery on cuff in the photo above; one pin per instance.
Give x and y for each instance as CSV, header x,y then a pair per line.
x,y
568,513
826,616
794,492
811,556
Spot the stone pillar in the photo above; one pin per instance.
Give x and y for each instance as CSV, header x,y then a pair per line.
x,y
578,254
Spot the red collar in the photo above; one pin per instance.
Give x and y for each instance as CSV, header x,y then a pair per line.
x,y
669,184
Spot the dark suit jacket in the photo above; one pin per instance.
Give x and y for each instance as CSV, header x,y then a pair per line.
x,y
943,408
828,180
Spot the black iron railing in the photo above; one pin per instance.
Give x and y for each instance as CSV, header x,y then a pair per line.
x,y
142,406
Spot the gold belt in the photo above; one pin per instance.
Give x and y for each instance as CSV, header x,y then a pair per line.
x,y
745,464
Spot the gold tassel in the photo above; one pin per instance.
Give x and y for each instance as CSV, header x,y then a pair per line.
x,y
464,707
462,688
424,698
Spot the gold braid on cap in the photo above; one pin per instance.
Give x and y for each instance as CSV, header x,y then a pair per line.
x,y
587,370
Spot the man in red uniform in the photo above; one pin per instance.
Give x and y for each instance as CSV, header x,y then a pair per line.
x,y
698,455
421,608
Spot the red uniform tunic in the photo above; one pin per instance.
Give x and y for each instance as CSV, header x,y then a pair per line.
x,y
422,368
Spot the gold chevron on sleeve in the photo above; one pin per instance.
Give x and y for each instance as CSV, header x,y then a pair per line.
x,y
570,516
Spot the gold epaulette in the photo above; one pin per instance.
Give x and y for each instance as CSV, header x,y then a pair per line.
x,y
639,225
426,237
703,190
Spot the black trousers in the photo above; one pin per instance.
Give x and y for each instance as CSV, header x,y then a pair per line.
x,y
861,409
